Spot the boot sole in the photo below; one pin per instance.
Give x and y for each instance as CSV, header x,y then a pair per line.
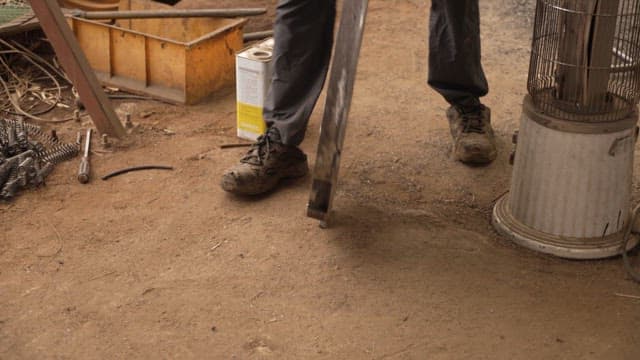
x,y
228,183
477,158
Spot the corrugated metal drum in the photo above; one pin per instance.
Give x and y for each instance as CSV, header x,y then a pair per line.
x,y
570,192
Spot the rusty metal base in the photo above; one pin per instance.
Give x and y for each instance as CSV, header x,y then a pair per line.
x,y
565,247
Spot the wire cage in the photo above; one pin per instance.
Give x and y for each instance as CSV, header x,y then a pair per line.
x,y
585,59
12,9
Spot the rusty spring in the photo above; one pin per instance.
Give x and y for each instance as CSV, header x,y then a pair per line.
x,y
59,153
34,131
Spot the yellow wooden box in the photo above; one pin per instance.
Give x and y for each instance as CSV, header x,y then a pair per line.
x,y
176,60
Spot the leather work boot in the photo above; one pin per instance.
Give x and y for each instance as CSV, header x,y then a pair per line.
x,y
265,164
473,138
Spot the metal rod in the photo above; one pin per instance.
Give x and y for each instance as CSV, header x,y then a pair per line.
x,y
83,172
258,35
87,144
175,13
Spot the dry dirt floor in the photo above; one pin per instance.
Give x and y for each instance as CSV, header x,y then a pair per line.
x,y
165,265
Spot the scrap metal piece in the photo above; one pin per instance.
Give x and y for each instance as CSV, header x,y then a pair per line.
x,y
26,170
22,136
12,140
45,171
334,122
77,67
34,131
9,166
11,187
27,162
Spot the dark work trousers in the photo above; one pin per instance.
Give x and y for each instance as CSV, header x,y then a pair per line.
x,y
303,43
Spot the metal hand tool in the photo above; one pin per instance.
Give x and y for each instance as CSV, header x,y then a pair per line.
x,y
85,168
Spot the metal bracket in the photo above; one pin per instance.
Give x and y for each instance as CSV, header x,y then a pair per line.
x,y
77,67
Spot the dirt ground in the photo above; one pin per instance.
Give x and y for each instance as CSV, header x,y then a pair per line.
x,y
165,265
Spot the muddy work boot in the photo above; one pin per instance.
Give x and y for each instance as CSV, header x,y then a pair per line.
x,y
473,138
267,162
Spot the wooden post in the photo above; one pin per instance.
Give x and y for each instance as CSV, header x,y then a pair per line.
x,y
601,51
77,67
585,52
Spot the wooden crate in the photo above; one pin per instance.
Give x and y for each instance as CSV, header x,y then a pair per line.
x,y
96,5
176,60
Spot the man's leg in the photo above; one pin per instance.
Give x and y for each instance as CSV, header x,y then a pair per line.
x,y
303,43
455,71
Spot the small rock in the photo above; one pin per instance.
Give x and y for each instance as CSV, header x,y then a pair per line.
x,y
146,114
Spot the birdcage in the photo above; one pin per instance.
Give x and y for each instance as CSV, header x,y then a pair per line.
x,y
571,187
585,59
12,9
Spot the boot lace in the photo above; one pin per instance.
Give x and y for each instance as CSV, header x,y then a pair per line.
x,y
259,151
472,120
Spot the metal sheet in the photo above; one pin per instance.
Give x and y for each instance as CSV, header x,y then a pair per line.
x,y
334,122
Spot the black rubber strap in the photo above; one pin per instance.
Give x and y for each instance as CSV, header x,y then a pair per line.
x,y
136,168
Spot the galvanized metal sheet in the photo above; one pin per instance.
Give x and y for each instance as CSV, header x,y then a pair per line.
x,y
334,122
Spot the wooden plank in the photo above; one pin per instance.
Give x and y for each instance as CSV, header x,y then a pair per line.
x,y
95,42
573,51
211,66
77,67
601,51
166,64
103,5
339,94
128,55
586,43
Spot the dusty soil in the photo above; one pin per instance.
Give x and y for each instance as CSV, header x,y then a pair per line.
x,y
166,265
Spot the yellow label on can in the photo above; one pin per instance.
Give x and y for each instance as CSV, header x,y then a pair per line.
x,y
250,119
